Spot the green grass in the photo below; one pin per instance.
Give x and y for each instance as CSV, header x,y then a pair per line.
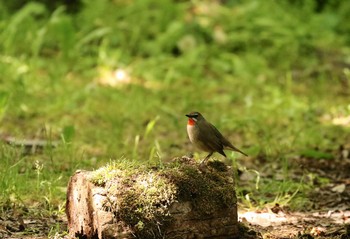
x,y
267,74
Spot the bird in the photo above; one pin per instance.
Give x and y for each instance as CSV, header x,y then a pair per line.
x,y
206,137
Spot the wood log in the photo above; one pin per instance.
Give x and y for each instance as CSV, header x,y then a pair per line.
x,y
140,205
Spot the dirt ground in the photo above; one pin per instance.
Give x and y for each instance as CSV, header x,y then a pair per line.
x,y
322,224
330,203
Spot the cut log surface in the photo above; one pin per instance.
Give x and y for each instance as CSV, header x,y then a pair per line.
x,y
92,214
86,216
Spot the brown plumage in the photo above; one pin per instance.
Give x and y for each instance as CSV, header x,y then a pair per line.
x,y
206,137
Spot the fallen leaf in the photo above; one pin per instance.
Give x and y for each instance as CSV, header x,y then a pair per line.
x,y
339,188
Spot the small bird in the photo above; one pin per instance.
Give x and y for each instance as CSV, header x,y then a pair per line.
x,y
206,137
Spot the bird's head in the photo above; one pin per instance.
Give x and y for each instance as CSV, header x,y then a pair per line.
x,y
194,117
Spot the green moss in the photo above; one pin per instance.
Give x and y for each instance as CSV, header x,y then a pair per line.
x,y
209,190
143,195
218,166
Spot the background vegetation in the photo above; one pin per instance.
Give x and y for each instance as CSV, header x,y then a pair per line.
x,y
112,80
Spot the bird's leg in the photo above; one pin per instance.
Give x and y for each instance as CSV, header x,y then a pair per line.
x,y
206,158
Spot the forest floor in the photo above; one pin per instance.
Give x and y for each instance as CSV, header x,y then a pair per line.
x,y
329,216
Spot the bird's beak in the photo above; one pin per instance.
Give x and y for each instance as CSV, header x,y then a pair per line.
x,y
188,115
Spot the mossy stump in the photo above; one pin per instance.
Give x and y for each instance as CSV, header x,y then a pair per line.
x,y
179,200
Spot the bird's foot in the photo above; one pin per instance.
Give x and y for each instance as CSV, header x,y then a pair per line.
x,y
203,164
206,158
203,167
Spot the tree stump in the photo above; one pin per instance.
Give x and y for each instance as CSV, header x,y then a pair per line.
x,y
180,200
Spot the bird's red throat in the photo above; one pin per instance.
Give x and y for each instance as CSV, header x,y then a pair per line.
x,y
191,122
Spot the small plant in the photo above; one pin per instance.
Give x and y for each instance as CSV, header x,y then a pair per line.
x,y
38,169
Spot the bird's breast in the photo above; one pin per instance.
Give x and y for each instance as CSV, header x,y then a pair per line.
x,y
192,132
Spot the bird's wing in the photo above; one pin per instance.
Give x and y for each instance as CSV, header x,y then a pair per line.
x,y
225,142
209,137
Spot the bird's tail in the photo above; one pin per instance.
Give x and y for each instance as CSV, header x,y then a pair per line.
x,y
237,150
